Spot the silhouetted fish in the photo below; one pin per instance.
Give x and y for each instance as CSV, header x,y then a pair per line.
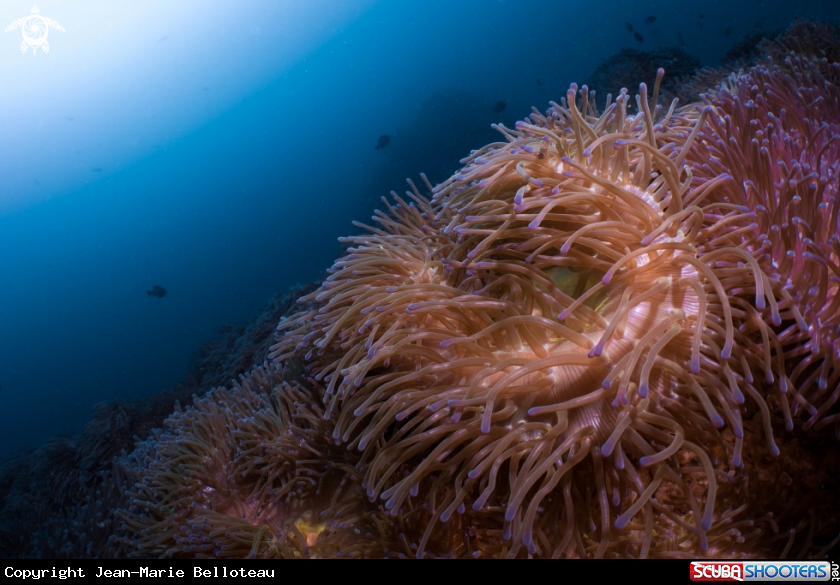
x,y
539,82
383,142
37,182
96,170
163,38
70,119
158,291
701,15
727,32
650,19
205,88
638,37
499,107
629,26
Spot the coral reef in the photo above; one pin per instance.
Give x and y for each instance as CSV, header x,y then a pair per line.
x,y
613,333
628,67
805,39
242,346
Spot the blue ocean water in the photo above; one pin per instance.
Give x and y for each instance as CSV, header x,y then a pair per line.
x,y
218,150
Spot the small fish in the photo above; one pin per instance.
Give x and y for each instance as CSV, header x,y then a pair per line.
x,y
629,26
205,88
638,37
96,170
69,119
37,182
157,291
701,15
383,142
682,40
650,19
539,82
163,38
499,107
727,32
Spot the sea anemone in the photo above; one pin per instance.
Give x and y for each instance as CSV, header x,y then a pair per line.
x,y
776,133
208,490
249,473
237,475
562,330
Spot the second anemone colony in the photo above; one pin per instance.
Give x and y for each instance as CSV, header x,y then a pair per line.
x,y
580,345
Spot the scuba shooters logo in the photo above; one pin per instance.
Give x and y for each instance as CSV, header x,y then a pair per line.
x,y
717,571
764,571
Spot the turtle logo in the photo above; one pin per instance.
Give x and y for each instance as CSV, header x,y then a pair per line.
x,y
35,29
